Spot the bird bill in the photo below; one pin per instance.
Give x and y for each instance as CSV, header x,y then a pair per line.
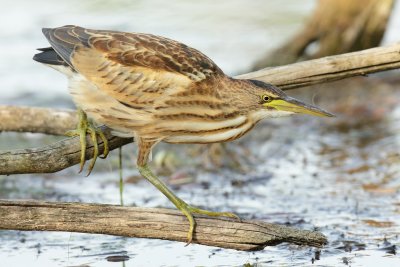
x,y
295,106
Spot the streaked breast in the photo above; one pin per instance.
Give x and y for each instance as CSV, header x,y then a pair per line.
x,y
209,132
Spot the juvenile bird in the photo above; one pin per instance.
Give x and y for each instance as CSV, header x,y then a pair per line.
x,y
158,90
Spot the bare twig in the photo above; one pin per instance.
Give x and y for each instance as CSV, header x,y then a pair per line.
x,y
149,223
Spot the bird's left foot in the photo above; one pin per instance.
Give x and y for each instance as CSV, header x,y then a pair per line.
x,y
85,127
181,205
189,210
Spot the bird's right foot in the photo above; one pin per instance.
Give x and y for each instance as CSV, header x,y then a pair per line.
x,y
85,127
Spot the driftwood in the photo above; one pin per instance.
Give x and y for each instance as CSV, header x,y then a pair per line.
x,y
149,223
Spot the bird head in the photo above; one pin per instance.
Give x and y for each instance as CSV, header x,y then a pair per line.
x,y
273,102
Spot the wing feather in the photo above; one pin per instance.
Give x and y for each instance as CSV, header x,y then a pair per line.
x,y
134,68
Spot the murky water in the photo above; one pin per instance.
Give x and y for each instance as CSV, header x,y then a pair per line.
x,y
338,175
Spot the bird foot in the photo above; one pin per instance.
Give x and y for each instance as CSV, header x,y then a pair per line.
x,y
85,127
185,208
189,210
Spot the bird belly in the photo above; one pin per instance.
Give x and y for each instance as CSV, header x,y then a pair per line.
x,y
210,136
104,109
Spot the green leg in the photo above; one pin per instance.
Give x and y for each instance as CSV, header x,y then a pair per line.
x,y
185,208
85,127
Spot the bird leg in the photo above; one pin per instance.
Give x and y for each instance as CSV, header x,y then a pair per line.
x,y
86,127
185,208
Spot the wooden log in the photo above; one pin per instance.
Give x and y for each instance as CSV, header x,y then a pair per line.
x,y
149,223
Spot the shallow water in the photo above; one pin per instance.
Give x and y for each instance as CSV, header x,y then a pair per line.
x,y
340,175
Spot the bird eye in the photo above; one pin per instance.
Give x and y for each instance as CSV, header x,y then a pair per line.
x,y
266,98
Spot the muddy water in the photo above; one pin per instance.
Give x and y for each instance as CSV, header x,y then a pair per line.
x,y
338,175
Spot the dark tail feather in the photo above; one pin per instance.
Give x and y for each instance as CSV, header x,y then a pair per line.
x,y
45,48
64,40
49,56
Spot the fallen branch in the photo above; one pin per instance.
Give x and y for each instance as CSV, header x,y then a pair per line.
x,y
37,120
51,158
54,157
149,223
328,69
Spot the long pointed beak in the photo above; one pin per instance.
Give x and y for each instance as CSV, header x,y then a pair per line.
x,y
296,106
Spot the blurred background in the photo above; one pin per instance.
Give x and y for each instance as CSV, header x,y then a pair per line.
x,y
340,176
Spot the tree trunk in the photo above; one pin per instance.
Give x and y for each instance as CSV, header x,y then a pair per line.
x,y
336,27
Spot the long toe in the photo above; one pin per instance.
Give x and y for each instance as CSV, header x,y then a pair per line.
x,y
82,138
212,213
81,132
93,135
103,138
192,223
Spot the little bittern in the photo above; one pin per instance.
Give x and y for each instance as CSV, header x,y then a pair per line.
x,y
158,90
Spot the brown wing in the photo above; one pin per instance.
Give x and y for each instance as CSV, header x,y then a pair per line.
x,y
132,67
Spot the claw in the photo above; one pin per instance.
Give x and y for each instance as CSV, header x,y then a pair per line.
x,y
93,136
105,144
82,138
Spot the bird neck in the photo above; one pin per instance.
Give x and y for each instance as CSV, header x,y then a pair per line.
x,y
260,114
237,93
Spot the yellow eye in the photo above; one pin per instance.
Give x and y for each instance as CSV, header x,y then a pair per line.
x,y
266,98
